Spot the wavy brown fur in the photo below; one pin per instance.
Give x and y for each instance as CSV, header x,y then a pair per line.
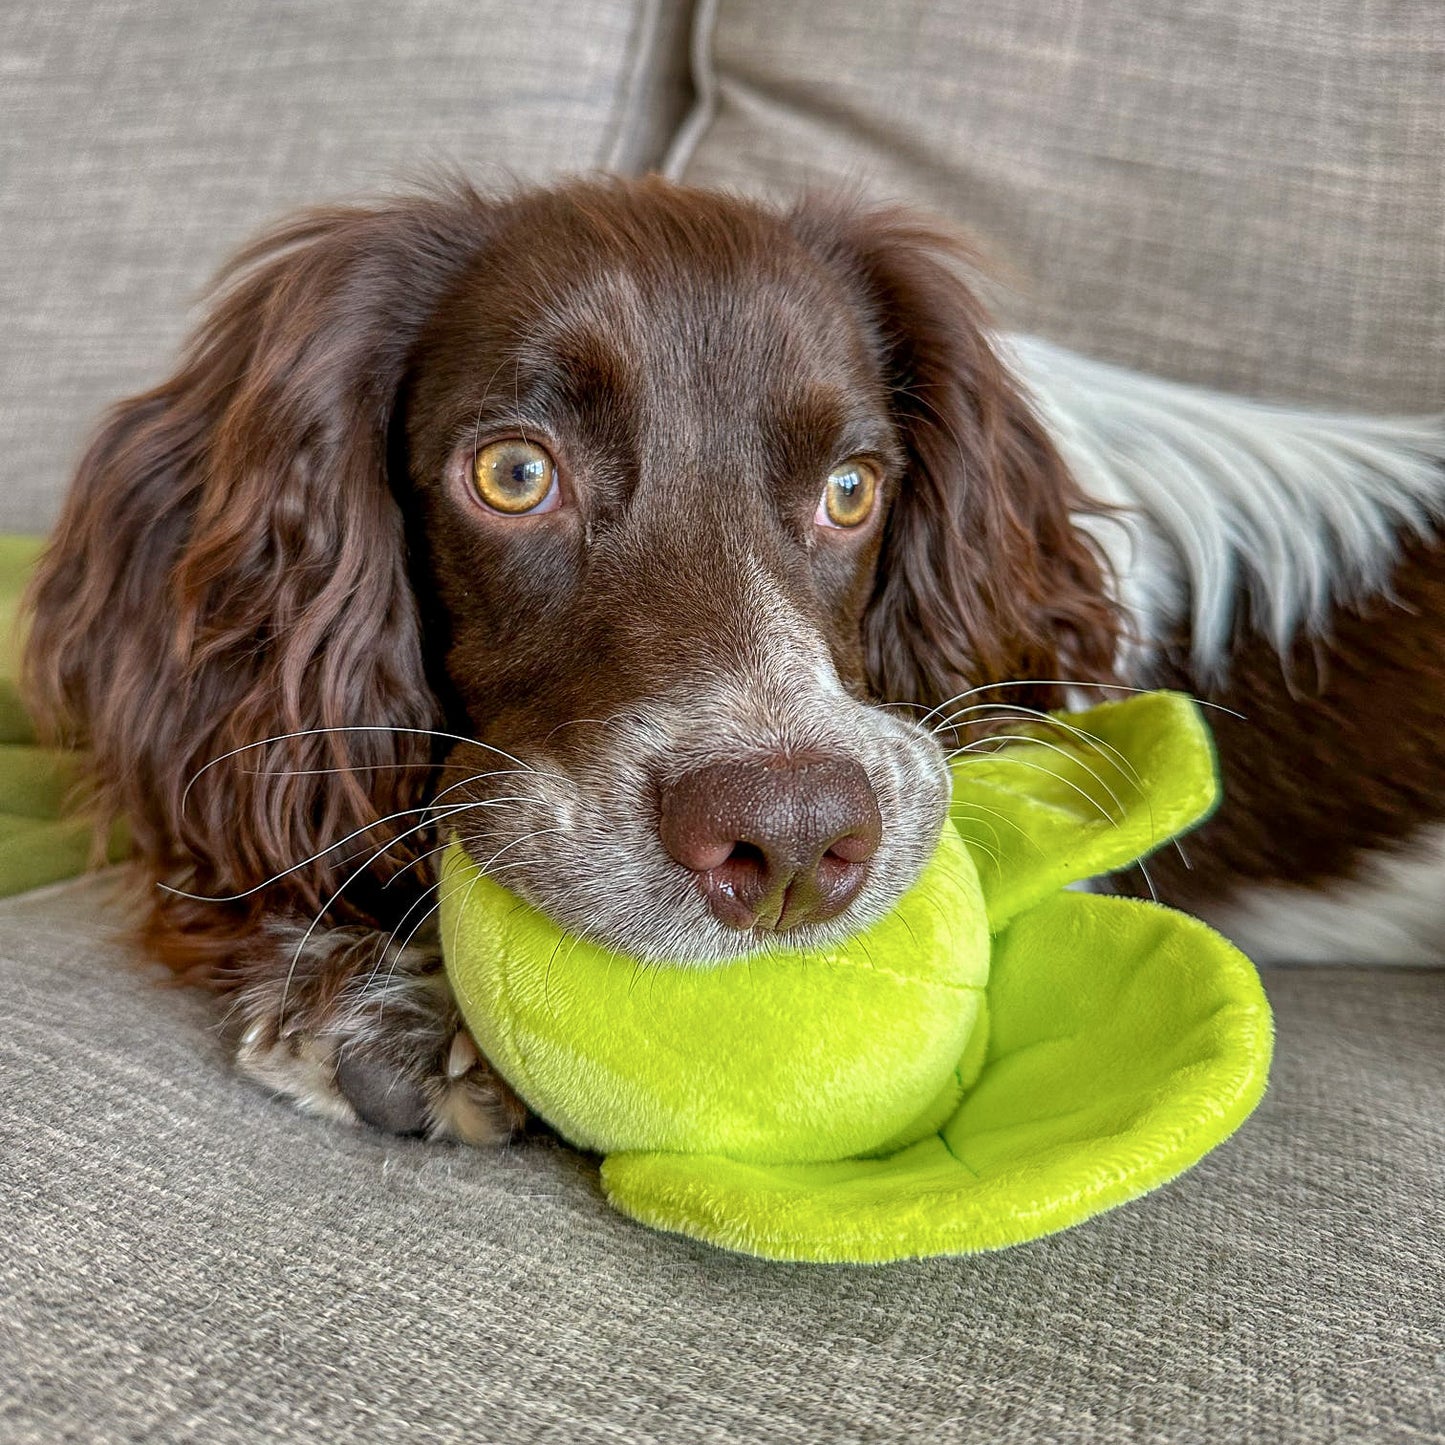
x,y
229,567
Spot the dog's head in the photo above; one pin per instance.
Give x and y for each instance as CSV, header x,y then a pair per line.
x,y
645,533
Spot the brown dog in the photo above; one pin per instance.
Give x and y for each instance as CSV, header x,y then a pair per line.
x,y
651,541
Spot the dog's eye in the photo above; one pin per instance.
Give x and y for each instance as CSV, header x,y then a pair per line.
x,y
849,497
516,476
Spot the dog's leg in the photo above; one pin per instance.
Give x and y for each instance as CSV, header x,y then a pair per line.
x,y
352,1027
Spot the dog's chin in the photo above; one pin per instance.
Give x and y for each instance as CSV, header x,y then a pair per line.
x,y
670,923
715,945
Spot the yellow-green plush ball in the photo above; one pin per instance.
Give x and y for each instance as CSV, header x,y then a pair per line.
x,y
782,1058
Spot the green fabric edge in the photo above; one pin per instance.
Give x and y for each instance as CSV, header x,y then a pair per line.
x,y
44,836
18,556
925,1200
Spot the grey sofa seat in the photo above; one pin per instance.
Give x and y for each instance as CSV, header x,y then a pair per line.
x,y
185,1259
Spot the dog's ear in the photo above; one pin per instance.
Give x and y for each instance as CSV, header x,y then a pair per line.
x,y
229,568
984,575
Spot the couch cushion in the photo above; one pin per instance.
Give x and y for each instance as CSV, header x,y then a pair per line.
x,y
1243,195
142,140
184,1259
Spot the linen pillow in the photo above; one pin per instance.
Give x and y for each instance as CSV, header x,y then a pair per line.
x,y
142,141
1247,196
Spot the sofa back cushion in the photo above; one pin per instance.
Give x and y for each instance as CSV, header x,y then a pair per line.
x,y
1247,195
142,140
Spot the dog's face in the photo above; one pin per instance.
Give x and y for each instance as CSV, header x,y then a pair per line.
x,y
687,511
654,453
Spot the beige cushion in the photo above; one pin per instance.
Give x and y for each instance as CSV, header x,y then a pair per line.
x,y
1249,195
142,140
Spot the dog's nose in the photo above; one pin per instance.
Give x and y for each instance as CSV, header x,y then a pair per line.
x,y
775,842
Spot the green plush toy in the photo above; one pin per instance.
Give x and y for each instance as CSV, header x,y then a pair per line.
x,y
994,1060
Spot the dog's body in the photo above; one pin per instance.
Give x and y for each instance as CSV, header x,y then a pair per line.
x,y
657,544
1284,564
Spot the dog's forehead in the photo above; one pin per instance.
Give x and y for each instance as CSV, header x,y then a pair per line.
x,y
681,313
730,296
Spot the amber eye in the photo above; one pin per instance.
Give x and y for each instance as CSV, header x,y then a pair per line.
x,y
850,495
515,476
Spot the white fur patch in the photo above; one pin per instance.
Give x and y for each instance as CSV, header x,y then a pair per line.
x,y
1294,508
302,1071
1392,912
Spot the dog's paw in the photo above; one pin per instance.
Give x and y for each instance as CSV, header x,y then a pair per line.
x,y
348,1040
464,1100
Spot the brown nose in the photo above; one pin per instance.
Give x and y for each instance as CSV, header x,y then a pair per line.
x,y
775,842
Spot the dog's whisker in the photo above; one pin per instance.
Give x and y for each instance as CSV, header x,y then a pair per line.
x,y
994,855
437,897
515,842
576,943
960,723
1075,682
953,816
500,800
331,903
422,857
961,718
1011,710
435,887
576,935
400,950
480,874
316,857
346,728
484,777
389,957
1096,745
547,978
622,715
483,868
1002,817
437,900
1015,712
1047,772
1143,868
972,692
1120,761
423,808
351,768
1101,746
1063,752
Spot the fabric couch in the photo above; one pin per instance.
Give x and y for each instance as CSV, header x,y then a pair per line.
x,y
1248,196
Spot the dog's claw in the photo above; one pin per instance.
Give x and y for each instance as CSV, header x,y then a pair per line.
x,y
462,1056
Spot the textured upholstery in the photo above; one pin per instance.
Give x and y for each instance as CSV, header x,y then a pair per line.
x,y
183,1259
1244,195
1234,193
142,140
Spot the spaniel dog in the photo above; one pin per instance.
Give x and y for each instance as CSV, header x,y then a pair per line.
x,y
659,545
